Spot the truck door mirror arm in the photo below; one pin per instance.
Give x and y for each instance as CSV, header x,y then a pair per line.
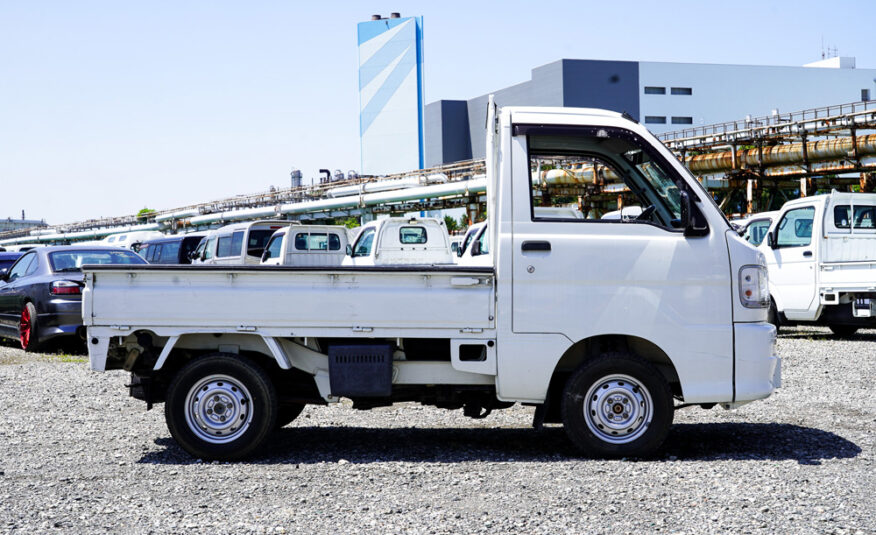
x,y
771,241
349,250
688,221
475,248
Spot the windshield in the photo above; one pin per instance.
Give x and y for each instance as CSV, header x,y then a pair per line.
x,y
63,261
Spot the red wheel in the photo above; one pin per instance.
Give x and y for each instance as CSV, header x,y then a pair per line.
x,y
27,328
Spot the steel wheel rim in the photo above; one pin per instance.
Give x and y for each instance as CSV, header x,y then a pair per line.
x,y
24,328
218,409
618,409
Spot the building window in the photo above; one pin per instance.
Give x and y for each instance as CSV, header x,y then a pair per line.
x,y
682,120
655,119
682,91
865,95
655,90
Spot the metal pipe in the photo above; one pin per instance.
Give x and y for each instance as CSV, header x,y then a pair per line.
x,y
782,155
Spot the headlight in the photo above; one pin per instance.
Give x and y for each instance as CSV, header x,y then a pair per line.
x,y
754,291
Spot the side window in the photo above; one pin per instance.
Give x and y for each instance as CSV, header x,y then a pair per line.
x,y
154,253
31,269
842,216
484,242
864,217
169,253
237,243
334,242
795,228
469,236
364,243
20,268
301,242
757,231
570,170
208,252
274,247
223,248
412,235
144,252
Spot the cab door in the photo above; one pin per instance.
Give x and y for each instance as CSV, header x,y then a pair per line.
x,y
791,262
581,276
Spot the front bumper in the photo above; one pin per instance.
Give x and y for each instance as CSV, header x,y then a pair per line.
x,y
758,367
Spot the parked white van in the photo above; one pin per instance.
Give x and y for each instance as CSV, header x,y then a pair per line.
x,y
401,241
237,244
821,256
131,240
307,245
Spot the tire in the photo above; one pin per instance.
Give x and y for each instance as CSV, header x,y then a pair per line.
x,y
773,315
843,330
287,413
617,405
28,329
211,394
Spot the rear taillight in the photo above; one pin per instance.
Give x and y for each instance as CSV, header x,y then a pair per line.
x,y
65,288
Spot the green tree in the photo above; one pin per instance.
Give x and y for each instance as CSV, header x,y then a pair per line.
x,y
451,224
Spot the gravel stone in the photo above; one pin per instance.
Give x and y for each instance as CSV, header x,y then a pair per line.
x,y
77,455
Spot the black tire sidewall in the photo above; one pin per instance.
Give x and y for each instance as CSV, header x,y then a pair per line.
x,y
242,369
287,413
580,382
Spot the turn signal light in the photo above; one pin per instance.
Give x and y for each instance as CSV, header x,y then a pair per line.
x,y
65,288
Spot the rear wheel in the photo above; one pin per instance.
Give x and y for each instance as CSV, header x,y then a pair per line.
x,y
221,407
843,330
617,405
28,328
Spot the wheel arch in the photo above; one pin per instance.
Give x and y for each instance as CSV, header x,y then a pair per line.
x,y
591,347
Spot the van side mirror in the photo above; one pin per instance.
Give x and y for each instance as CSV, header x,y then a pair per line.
x,y
460,251
4,274
349,250
684,217
771,240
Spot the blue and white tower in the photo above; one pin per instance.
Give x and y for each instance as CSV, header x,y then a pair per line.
x,y
391,94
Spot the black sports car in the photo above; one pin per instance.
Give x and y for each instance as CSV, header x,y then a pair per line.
x,y
41,294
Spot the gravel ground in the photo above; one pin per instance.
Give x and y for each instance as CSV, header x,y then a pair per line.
x,y
79,456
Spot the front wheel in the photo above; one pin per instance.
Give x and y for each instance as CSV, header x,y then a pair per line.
x,y
617,405
221,407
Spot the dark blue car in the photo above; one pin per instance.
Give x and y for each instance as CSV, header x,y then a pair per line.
x,y
8,258
41,294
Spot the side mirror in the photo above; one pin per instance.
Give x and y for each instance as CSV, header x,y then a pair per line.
x,y
349,250
4,274
475,248
684,218
771,241
459,252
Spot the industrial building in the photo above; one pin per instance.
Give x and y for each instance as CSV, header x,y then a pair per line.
x,y
391,94
19,224
664,96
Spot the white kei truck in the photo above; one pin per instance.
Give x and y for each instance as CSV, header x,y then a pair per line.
x,y
821,256
605,326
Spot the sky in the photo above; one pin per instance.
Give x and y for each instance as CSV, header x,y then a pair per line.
x,y
107,107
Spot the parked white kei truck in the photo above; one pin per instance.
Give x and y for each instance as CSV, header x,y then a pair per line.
x,y
307,245
821,256
605,326
396,241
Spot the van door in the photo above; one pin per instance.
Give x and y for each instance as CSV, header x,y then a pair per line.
x,y
791,263
580,276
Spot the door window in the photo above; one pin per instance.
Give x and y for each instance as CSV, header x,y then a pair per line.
x,y
864,217
274,246
223,247
20,268
756,231
237,243
208,251
169,253
589,174
364,243
795,228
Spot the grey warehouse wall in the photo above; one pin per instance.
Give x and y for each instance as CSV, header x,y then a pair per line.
x,y
447,132
612,85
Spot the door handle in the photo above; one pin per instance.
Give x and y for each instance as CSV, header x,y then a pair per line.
x,y
807,253
536,246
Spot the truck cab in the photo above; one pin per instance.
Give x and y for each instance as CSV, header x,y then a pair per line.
x,y
237,244
307,245
821,256
401,241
